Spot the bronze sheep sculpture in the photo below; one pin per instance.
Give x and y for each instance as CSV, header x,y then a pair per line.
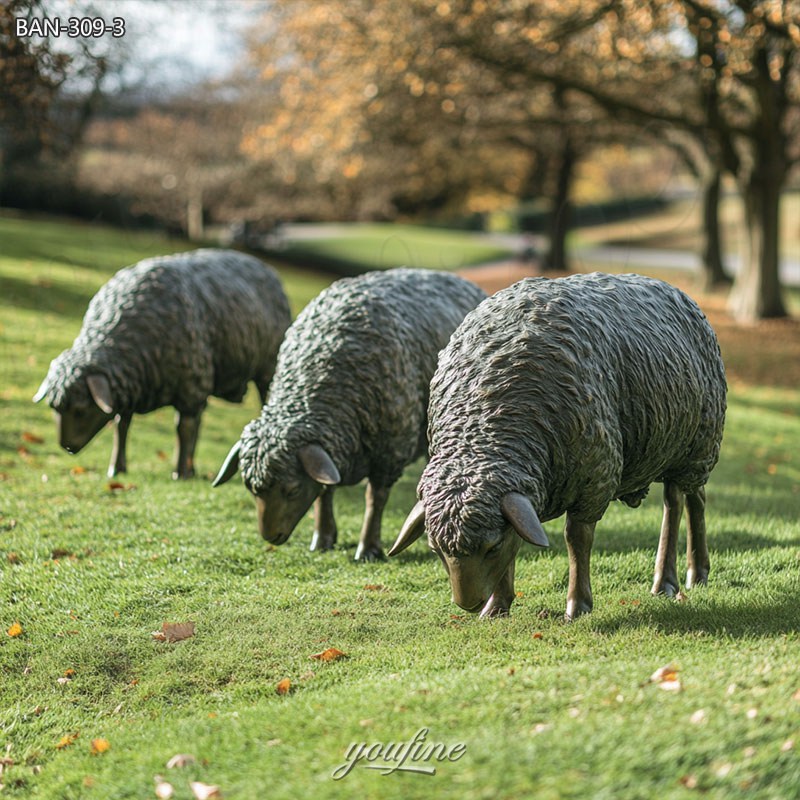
x,y
559,396
168,331
349,400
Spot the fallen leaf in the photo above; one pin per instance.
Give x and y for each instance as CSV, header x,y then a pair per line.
x,y
12,558
698,717
174,631
203,791
162,456
335,612
689,781
666,678
99,746
23,451
116,486
66,741
69,673
283,686
78,470
31,438
331,654
181,760
60,552
537,635
164,790
375,587
15,630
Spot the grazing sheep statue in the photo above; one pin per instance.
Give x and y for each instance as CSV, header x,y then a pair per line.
x,y
560,396
168,331
349,400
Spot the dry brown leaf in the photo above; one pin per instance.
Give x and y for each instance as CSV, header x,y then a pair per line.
x,y
31,438
181,760
98,746
78,470
537,635
162,456
331,654
15,630
203,791
689,781
374,587
12,558
116,486
60,552
164,790
69,673
174,631
66,741
284,686
666,678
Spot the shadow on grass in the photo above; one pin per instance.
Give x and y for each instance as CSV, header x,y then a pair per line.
x,y
56,298
740,619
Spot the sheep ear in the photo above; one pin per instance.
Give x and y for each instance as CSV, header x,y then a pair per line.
x,y
318,465
42,391
412,529
100,389
519,511
230,467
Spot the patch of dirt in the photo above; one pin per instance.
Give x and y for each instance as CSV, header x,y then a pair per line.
x,y
763,354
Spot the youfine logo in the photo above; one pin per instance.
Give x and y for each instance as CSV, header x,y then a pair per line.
x,y
415,755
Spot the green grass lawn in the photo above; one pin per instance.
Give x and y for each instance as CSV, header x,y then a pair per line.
x,y
382,246
544,709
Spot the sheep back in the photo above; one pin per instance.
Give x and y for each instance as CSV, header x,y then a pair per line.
x,y
354,373
574,392
173,330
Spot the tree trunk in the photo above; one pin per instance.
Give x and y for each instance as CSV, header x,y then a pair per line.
x,y
756,293
560,220
713,270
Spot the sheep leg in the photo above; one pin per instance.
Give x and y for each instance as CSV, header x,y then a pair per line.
x,y
499,604
325,532
579,537
697,561
188,426
119,461
665,580
369,545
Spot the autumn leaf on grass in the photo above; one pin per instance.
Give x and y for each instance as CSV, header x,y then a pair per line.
x,y
15,630
331,654
375,587
181,760
31,438
284,686
666,678
116,486
79,470
164,789
66,741
174,631
203,791
99,746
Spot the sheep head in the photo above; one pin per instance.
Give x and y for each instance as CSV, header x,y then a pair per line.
x,y
476,566
285,490
85,408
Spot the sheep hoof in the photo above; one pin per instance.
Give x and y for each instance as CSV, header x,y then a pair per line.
x,y
320,542
183,474
369,553
577,609
696,578
668,588
494,609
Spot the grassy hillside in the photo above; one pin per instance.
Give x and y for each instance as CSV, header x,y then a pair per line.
x,y
542,708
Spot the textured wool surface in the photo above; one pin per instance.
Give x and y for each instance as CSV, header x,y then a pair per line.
x,y
173,330
354,375
574,392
